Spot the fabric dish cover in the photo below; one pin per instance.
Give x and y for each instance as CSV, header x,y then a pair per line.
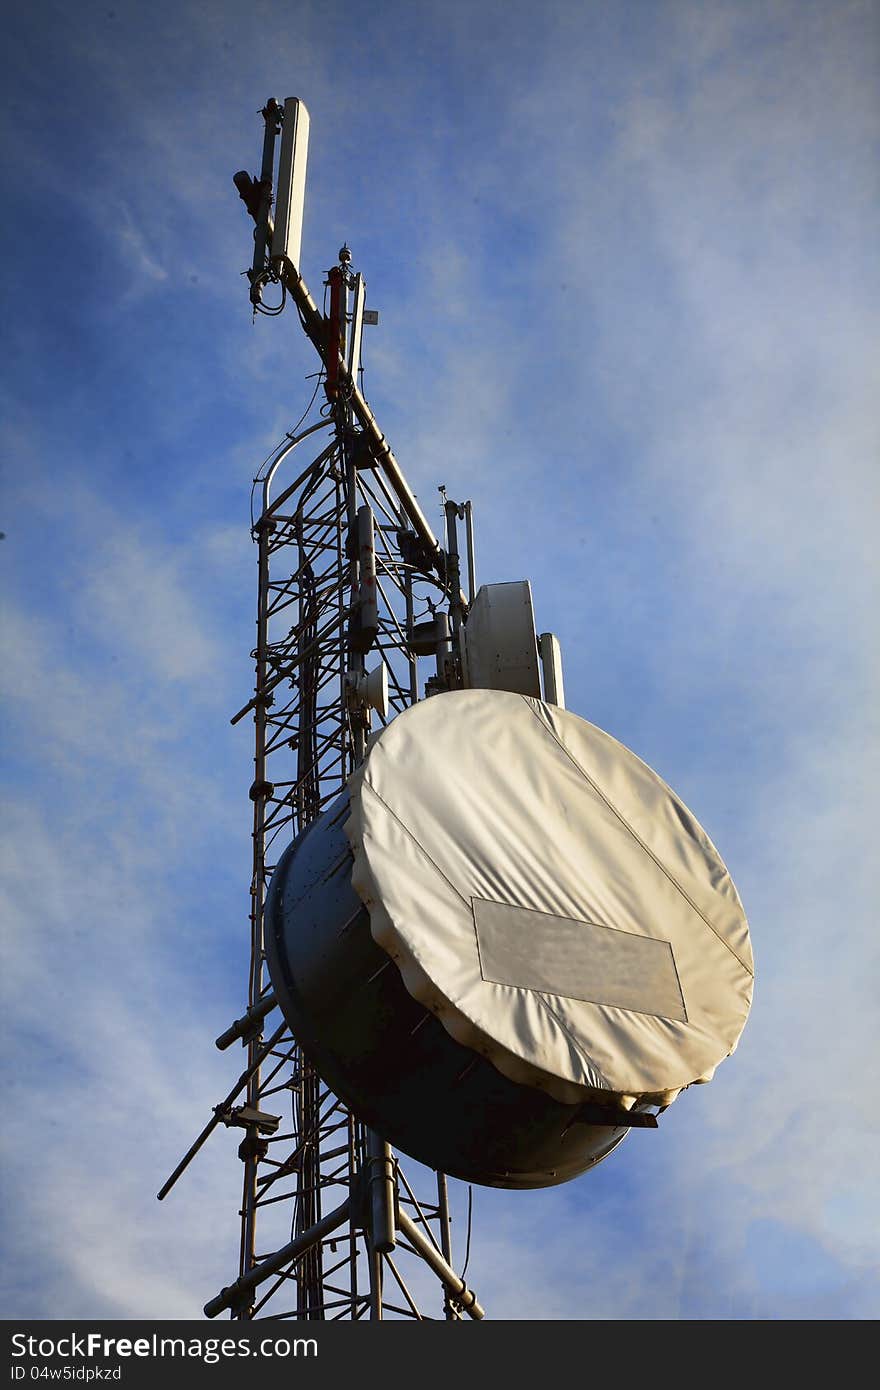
x,y
550,899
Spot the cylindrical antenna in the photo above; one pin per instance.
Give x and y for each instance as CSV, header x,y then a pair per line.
x,y
335,331
368,609
551,665
472,569
453,567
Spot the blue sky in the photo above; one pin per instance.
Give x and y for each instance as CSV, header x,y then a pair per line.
x,y
625,260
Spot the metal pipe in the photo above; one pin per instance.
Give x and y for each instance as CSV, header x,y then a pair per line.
x,y
249,1019
352,1126
472,569
368,608
380,449
459,1290
401,1284
445,1235
271,114
310,1298
355,657
269,685
219,1110
279,458
380,1165
237,1293
444,643
315,327
376,1273
334,331
443,1212
453,567
258,892
409,599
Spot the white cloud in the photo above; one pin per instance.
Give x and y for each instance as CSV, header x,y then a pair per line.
x,y
677,373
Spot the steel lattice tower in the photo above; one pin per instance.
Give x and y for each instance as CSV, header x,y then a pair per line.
x,y
347,566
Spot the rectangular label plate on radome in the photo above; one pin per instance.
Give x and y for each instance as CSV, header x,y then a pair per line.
x,y
577,959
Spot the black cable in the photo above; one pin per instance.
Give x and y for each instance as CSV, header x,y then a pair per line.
x,y
272,311
289,435
320,378
467,1248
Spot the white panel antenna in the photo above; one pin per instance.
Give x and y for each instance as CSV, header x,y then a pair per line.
x,y
287,235
550,653
357,326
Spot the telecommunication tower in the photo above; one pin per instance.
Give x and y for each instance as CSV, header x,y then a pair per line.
x,y
496,939
350,576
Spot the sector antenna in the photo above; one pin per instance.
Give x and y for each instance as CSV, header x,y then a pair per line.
x,y
487,941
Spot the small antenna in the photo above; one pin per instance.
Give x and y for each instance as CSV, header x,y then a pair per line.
x,y
357,325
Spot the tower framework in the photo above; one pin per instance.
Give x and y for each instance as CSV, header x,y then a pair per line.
x,y
350,575
342,582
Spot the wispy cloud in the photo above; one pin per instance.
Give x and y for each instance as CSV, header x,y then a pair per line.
x,y
625,263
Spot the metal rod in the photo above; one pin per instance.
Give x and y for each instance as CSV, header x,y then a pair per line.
x,y
380,449
219,1109
250,1147
357,716
380,1166
422,1217
453,569
236,1294
269,685
310,1291
445,1235
403,1289
279,459
368,607
459,1290
472,568
352,1127
271,114
409,600
376,1273
251,1018
334,331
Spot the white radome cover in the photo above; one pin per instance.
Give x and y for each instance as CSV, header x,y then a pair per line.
x,y
548,896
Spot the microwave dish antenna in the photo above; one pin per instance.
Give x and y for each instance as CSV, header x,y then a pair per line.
x,y
508,942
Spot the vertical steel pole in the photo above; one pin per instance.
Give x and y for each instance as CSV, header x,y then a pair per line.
x,y
311,1282
412,660
271,114
380,1168
445,1239
258,888
352,1230
355,658
472,568
453,567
